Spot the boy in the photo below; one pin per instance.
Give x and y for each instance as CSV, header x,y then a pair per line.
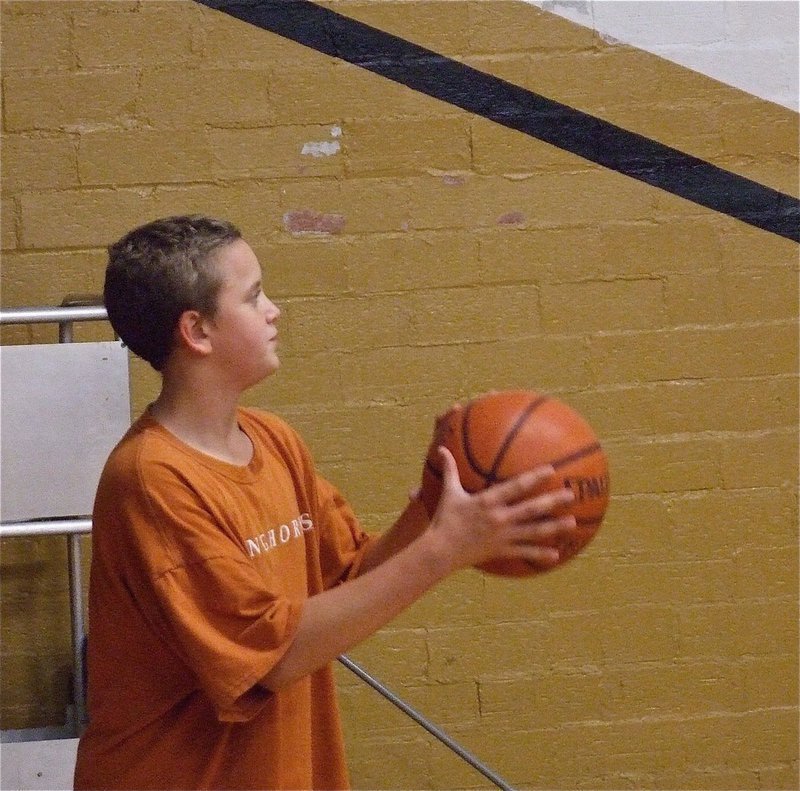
x,y
226,573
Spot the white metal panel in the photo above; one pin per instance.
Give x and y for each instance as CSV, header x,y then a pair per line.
x,y
63,407
41,765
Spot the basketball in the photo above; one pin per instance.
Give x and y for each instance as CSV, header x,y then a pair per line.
x,y
497,436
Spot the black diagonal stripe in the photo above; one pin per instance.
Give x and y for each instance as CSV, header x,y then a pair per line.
x,y
588,450
582,134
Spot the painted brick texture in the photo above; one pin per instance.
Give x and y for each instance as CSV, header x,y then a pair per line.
x,y
421,255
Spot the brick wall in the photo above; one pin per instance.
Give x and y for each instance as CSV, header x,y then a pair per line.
x,y
421,255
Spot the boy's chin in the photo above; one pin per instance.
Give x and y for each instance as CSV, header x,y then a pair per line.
x,y
273,364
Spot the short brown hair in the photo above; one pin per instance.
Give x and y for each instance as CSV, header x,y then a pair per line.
x,y
158,271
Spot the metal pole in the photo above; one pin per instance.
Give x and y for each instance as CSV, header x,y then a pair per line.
x,y
426,724
74,551
45,527
54,315
78,633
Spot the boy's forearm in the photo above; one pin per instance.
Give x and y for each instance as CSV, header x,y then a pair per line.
x,y
411,523
338,619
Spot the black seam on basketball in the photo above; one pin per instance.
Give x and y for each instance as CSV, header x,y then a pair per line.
x,y
491,477
473,462
586,450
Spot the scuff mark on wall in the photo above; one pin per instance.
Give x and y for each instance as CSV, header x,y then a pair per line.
x,y
308,221
324,148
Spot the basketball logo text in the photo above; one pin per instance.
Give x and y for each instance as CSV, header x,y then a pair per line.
x,y
588,488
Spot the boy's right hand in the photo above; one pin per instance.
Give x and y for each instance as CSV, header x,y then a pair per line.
x,y
506,520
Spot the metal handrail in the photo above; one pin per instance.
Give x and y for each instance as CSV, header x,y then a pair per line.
x,y
46,527
52,315
76,527
434,730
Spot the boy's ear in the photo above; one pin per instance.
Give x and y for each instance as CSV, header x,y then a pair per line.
x,y
192,332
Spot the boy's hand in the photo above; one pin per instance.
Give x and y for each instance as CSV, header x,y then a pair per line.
x,y
507,520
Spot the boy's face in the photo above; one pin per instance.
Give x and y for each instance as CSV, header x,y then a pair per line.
x,y
243,332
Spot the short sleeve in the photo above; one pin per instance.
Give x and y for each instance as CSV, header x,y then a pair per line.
x,y
228,628
343,543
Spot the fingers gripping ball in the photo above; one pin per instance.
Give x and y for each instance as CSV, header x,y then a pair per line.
x,y
498,436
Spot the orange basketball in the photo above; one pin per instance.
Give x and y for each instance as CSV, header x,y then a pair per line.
x,y
499,435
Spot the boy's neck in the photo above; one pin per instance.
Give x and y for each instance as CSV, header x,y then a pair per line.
x,y
204,419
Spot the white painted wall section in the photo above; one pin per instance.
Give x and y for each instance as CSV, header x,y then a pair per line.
x,y
753,45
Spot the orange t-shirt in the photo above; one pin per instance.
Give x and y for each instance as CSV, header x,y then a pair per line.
x,y
200,570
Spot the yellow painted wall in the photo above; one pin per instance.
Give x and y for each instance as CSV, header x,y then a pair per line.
x,y
460,256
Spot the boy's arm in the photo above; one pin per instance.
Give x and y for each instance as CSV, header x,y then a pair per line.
x,y
506,520
410,525
339,618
